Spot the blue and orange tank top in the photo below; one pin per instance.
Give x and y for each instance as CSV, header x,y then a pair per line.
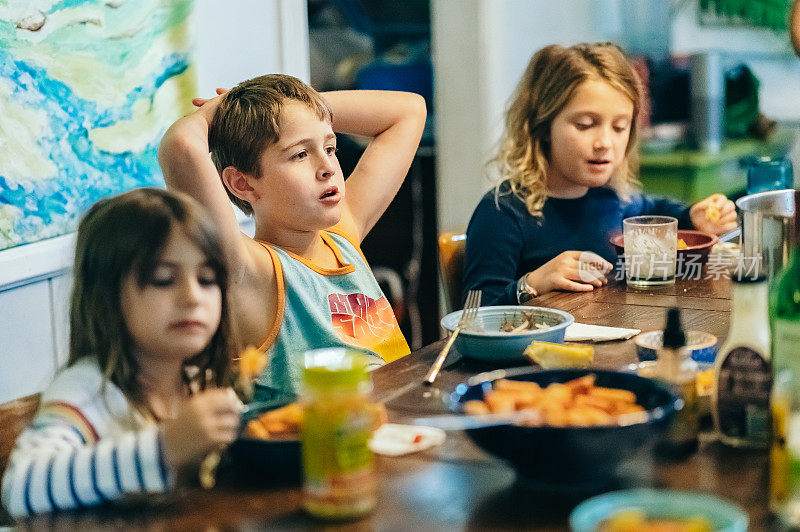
x,y
322,307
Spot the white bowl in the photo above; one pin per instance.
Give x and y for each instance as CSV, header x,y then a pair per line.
x,y
485,341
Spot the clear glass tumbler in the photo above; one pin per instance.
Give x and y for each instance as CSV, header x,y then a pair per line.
x,y
651,249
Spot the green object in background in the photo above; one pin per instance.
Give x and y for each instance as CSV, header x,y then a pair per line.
x,y
691,175
770,14
741,101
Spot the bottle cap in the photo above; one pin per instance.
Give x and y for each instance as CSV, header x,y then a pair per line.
x,y
674,336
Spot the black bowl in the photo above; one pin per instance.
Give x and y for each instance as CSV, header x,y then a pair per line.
x,y
271,462
574,458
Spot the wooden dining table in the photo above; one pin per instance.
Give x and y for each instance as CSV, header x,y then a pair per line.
x,y
457,486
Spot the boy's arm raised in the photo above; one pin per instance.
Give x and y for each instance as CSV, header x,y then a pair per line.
x,y
183,156
394,121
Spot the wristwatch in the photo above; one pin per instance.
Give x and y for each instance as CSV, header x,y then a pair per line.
x,y
525,292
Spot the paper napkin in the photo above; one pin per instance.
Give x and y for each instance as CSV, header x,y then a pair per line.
x,y
581,332
396,440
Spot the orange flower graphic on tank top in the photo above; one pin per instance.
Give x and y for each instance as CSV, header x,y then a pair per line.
x,y
369,323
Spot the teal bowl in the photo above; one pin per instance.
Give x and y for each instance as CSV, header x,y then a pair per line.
x,y
486,341
723,516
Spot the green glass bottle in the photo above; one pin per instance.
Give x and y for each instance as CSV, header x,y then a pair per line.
x,y
784,306
784,314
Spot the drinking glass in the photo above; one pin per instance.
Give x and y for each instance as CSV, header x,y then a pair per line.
x,y
651,249
765,173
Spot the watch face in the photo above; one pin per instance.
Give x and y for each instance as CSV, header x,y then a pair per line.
x,y
524,292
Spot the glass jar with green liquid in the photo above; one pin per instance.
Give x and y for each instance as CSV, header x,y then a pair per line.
x,y
338,467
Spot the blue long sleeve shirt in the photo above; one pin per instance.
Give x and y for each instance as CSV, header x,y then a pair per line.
x,y
504,241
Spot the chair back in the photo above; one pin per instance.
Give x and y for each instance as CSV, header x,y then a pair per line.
x,y
451,267
14,417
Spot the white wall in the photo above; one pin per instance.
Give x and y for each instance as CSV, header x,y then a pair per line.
x,y
242,39
461,122
235,41
34,294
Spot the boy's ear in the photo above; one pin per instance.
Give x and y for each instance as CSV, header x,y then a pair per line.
x,y
238,183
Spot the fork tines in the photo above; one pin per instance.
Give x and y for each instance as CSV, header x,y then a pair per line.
x,y
471,306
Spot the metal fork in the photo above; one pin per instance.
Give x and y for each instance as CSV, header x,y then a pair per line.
x,y
198,381
468,316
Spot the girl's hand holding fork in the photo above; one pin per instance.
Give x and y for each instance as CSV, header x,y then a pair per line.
x,y
208,422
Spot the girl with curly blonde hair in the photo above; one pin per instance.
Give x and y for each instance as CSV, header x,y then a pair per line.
x,y
567,165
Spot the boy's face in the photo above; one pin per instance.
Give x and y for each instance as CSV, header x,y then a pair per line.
x,y
301,185
588,139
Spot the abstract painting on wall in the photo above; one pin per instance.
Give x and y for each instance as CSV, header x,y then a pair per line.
x,y
87,89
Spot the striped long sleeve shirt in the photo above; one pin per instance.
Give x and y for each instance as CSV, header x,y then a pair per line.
x,y
87,445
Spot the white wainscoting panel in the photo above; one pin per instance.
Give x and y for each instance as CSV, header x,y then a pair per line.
x,y
27,361
60,290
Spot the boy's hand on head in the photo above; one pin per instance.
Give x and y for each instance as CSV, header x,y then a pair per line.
x,y
716,215
207,107
190,130
200,102
573,271
209,421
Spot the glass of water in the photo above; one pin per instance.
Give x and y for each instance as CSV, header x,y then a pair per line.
x,y
651,249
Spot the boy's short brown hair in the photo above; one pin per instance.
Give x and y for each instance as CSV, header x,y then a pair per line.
x,y
246,122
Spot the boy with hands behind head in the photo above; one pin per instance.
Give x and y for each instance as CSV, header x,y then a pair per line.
x,y
302,281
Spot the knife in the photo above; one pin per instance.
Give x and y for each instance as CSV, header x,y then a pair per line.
x,y
464,422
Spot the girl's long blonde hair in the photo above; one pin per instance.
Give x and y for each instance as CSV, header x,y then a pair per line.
x,y
553,74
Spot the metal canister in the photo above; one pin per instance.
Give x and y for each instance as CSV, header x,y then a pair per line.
x,y
707,87
766,220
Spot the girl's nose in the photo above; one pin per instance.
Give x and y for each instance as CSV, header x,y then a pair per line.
x,y
189,291
602,141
